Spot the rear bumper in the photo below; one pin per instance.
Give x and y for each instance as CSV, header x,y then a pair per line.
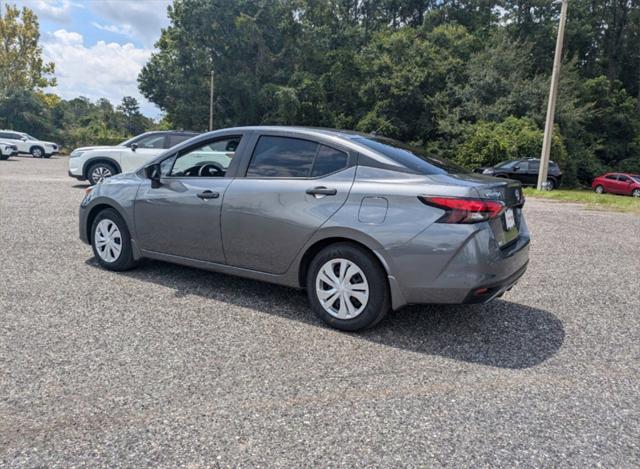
x,y
447,264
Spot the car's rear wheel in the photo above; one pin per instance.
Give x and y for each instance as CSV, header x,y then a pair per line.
x,y
98,172
599,189
636,193
111,241
347,287
37,152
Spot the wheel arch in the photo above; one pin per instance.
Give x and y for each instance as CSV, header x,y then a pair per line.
x,y
322,240
93,213
99,159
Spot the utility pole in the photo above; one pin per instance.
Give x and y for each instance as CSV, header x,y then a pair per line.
x,y
211,103
553,95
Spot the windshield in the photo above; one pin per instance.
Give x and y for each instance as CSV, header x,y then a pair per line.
x,y
30,137
506,164
126,143
411,157
636,177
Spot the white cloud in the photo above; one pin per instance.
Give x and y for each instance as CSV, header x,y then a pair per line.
x,y
54,10
142,18
112,28
107,70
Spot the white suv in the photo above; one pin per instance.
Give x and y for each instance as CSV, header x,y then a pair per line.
x,y
29,145
94,164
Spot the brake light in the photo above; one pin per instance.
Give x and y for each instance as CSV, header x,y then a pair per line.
x,y
462,210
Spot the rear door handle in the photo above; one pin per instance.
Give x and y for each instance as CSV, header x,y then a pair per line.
x,y
322,191
208,195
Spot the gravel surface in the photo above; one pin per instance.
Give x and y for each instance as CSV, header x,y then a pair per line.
x,y
170,366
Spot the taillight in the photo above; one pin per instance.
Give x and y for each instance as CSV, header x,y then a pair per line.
x,y
462,210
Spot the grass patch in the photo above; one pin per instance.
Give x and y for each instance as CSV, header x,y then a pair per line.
x,y
621,203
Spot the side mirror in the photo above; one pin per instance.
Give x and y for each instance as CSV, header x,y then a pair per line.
x,y
134,146
516,168
24,139
153,173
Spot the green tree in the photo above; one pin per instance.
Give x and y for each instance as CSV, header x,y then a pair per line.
x,y
21,64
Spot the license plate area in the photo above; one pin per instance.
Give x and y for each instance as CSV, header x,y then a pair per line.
x,y
509,219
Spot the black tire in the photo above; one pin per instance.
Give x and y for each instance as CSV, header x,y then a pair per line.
x,y
125,260
97,172
552,184
37,152
378,303
599,189
48,156
4,157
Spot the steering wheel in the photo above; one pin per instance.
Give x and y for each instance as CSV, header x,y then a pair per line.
x,y
211,170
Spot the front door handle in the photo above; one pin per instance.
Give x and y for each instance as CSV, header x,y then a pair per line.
x,y
208,195
322,191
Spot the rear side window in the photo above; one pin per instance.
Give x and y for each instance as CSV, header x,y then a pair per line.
x,y
328,160
282,157
612,177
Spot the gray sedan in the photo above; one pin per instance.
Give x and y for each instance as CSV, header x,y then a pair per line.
x,y
365,224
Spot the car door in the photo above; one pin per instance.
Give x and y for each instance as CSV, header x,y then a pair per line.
x,y
291,187
142,151
181,217
533,168
519,171
624,184
610,183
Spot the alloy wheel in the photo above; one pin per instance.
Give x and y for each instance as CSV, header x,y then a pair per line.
x,y
636,193
342,288
108,240
100,173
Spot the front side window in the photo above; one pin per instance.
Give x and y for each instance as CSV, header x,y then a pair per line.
x,y
523,166
282,157
174,139
152,141
622,178
209,160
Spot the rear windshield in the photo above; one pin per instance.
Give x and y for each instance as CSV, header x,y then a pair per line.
x,y
413,158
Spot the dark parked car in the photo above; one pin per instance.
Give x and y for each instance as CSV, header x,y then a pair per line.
x,y
525,171
617,183
364,223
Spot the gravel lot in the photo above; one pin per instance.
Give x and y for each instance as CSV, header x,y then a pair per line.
x,y
170,366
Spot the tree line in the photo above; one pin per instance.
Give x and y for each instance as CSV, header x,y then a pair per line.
x,y
467,79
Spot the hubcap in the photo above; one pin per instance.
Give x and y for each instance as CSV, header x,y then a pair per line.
x,y
100,173
599,190
342,289
37,153
636,193
108,240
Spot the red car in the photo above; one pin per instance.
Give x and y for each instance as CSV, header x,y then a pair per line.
x,y
617,183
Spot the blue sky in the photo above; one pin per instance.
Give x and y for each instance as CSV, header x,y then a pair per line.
x,y
99,46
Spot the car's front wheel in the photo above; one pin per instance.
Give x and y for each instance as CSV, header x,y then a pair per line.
x,y
111,241
347,287
599,189
98,172
37,152
636,193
